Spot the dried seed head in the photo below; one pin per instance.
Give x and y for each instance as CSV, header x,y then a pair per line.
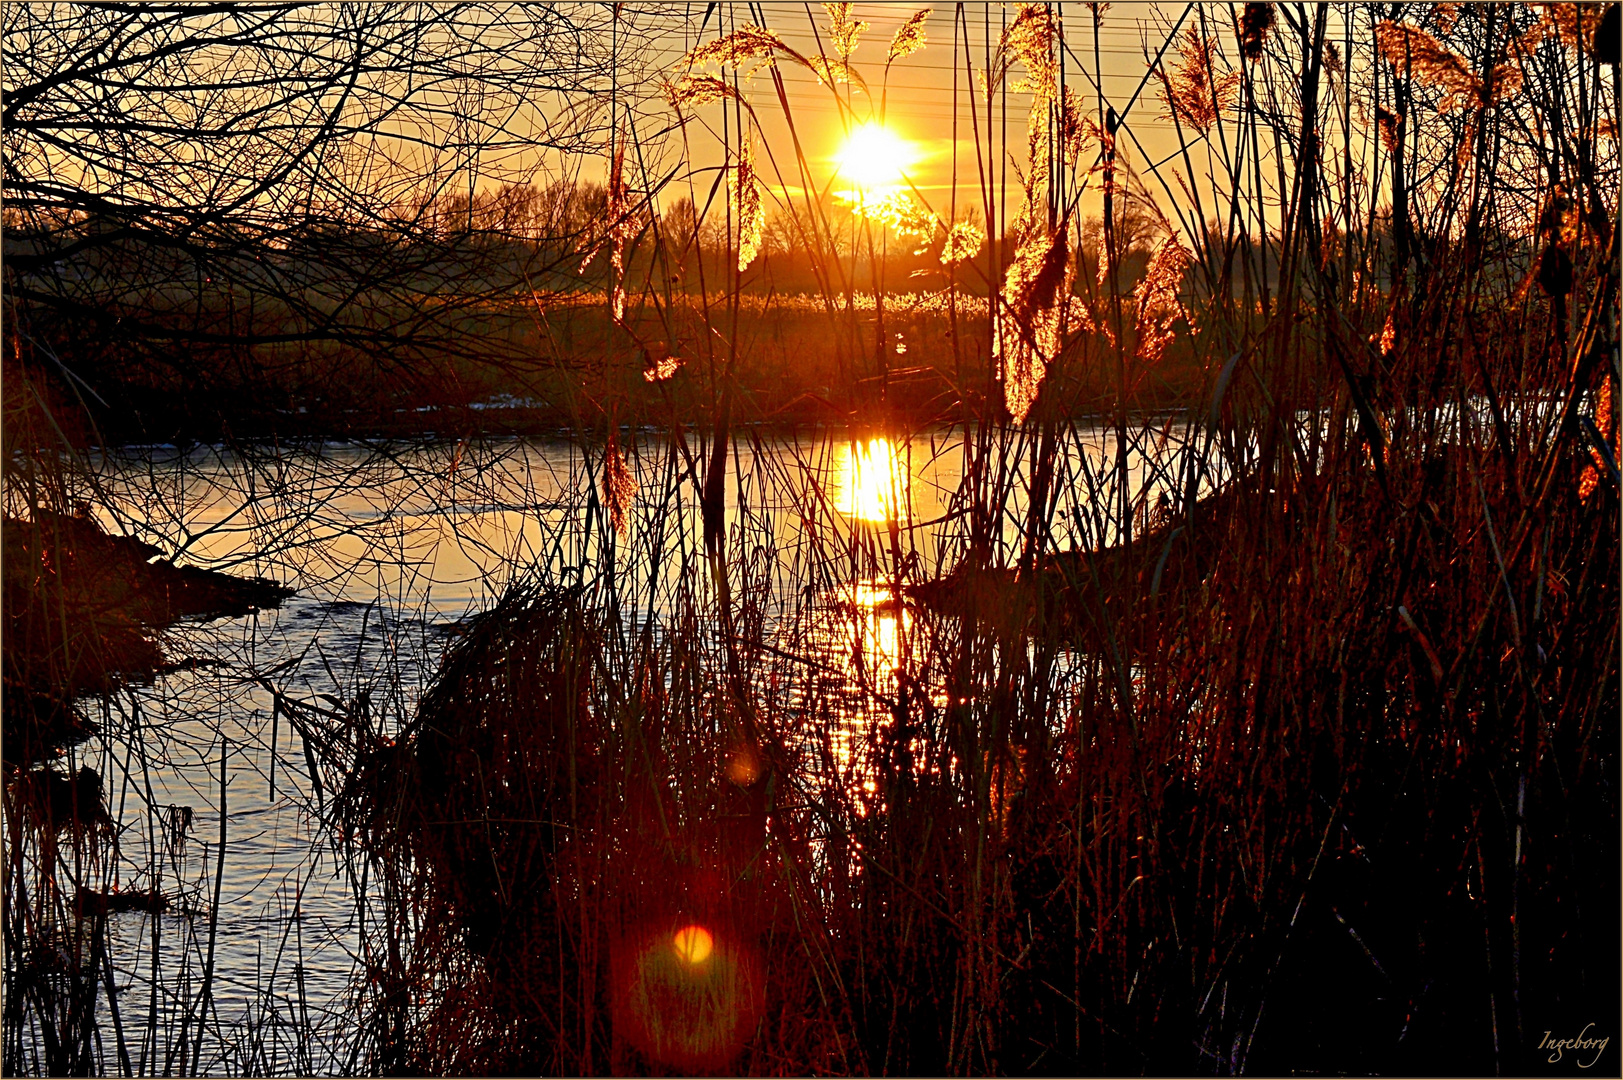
x,y
620,225
1255,23
1390,125
1032,322
1030,40
1332,59
663,368
1196,92
1588,482
619,486
964,241
844,29
830,70
1072,127
1409,47
747,43
1606,425
744,195
1465,150
692,91
899,211
1575,24
1329,241
1559,219
909,38
1158,303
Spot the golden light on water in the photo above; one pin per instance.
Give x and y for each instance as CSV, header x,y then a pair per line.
x,y
692,944
874,158
873,482
879,621
868,594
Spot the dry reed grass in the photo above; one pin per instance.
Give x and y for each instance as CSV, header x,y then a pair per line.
x,y
1305,768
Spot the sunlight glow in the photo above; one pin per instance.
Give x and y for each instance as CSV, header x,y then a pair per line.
x,y
879,620
874,484
874,158
692,944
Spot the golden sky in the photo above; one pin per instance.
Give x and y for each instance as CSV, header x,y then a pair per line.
x,y
918,96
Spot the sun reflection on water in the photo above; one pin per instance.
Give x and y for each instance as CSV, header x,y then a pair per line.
x,y
873,482
878,624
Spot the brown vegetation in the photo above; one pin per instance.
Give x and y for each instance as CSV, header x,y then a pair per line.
x,y
1302,761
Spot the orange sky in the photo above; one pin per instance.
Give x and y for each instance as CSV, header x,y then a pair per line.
x,y
918,95
921,104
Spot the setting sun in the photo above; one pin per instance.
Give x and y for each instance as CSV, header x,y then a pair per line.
x,y
874,158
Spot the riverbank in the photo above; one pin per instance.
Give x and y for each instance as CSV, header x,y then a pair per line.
x,y
528,369
85,614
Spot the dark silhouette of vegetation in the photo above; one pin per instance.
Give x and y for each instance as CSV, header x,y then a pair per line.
x,y
1250,705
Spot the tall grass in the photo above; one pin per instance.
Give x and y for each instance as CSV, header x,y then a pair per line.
x,y
1307,776
1272,733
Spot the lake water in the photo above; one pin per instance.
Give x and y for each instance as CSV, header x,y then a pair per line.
x,y
390,548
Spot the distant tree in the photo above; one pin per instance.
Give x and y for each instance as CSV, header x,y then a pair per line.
x,y
185,182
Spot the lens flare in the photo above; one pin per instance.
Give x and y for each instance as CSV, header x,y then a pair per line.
x,y
688,998
743,766
692,944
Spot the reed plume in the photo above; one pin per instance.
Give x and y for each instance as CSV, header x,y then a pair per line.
x,y
909,38
831,70
744,194
1030,40
747,43
1073,127
1390,126
1574,24
619,485
1408,47
1606,427
1195,92
1157,297
901,212
1332,60
663,369
620,228
844,29
692,91
1032,323
1255,23
963,242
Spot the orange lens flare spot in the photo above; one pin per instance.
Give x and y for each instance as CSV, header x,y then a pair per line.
x,y
743,766
692,944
